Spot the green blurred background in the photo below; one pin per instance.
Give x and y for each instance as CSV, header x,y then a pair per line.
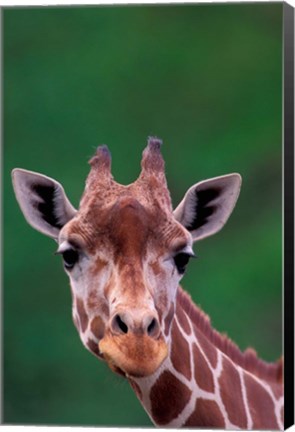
x,y
207,79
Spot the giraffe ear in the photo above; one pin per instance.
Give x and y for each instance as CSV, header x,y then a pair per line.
x,y
43,201
207,205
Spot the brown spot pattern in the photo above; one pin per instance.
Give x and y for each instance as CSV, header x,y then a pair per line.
x,y
93,346
206,414
231,394
183,320
93,301
97,327
203,374
97,266
209,350
97,303
247,360
156,268
168,398
82,314
180,354
260,405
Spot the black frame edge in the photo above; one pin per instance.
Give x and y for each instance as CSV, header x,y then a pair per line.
x,y
288,134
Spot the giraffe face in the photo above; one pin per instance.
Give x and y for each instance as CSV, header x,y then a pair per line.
x,y
124,264
125,251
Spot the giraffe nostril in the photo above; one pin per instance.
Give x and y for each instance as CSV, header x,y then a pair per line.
x,y
124,322
118,325
153,328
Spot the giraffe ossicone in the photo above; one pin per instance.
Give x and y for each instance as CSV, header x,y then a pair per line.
x,y
125,251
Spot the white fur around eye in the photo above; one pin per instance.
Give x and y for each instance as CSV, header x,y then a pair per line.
x,y
188,250
65,245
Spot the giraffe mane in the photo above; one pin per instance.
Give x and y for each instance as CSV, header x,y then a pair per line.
x,y
248,359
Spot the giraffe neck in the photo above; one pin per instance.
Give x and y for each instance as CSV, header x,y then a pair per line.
x,y
200,384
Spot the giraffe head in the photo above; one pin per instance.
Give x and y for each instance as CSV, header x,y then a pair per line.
x,y
125,251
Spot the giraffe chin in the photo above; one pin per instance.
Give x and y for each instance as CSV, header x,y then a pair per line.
x,y
133,355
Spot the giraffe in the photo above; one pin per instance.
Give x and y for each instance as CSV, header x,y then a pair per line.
x,y
125,251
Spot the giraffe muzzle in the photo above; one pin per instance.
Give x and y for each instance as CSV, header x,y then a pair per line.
x,y
137,355
133,343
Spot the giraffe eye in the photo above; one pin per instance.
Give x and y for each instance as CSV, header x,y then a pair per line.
x,y
181,260
70,257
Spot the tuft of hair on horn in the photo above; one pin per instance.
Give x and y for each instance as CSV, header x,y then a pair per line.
x,y
151,158
154,143
102,158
